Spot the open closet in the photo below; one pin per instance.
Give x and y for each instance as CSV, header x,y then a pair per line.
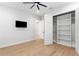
x,y
64,29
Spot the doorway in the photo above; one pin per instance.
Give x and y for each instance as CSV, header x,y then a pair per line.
x,y
64,29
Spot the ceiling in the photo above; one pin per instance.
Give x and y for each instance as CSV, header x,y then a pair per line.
x,y
43,10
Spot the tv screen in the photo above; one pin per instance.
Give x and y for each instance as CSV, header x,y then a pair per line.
x,y
21,24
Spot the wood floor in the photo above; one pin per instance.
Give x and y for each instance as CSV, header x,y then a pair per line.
x,y
37,48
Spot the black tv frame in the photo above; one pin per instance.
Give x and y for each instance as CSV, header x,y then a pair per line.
x,y
20,24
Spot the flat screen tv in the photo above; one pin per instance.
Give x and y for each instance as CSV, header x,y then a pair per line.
x,y
21,24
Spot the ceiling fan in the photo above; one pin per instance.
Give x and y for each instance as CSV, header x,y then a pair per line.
x,y
37,4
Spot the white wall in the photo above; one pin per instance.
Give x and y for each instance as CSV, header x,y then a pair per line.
x,y
48,36
77,30
9,34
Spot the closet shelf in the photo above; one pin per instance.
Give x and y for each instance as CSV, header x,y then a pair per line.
x,y
64,34
64,25
64,29
67,40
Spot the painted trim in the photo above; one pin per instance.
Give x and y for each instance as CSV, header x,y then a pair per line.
x,y
20,42
64,13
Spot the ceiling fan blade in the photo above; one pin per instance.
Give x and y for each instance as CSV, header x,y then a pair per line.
x,y
42,5
33,5
28,2
38,7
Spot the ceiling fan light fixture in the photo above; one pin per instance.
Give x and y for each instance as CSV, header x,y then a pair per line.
x,y
38,11
37,4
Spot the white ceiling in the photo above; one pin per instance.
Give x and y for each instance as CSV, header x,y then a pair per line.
x,y
43,10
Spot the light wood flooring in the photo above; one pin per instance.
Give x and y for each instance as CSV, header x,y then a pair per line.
x,y
37,48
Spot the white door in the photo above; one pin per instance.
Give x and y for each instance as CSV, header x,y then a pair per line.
x,y
41,29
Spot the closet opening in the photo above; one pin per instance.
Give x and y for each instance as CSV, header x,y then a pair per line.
x,y
64,29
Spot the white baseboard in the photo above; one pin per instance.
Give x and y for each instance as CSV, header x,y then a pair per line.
x,y
19,42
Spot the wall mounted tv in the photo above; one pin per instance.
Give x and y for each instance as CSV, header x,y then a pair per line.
x,y
21,24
